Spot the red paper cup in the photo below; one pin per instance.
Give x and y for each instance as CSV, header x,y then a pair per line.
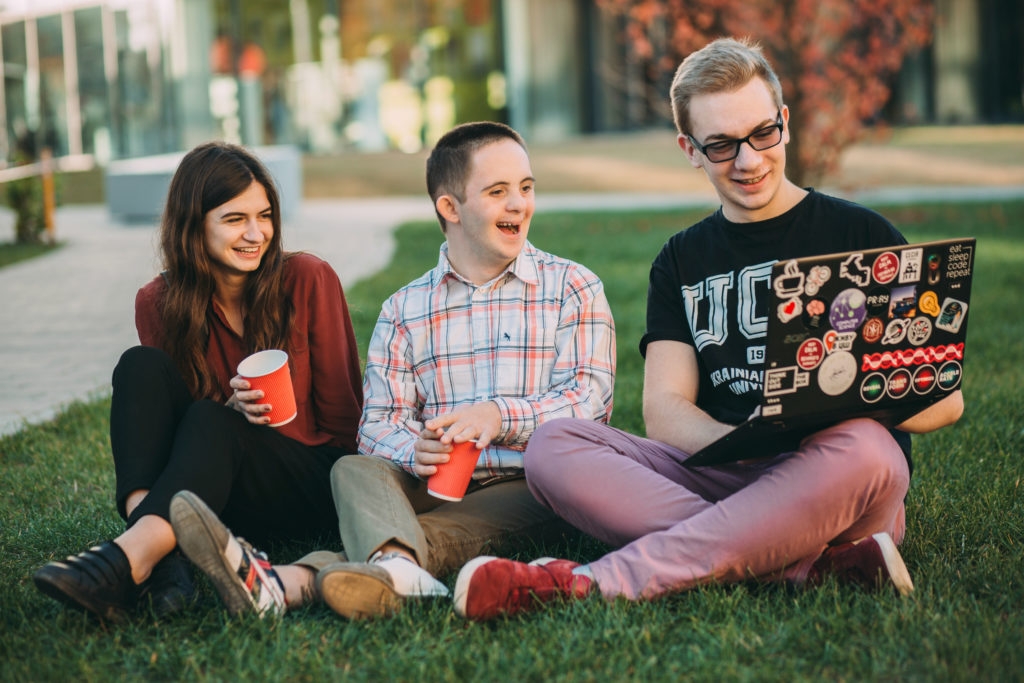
x,y
268,371
452,478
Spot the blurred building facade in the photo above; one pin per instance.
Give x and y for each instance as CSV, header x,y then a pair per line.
x,y
97,80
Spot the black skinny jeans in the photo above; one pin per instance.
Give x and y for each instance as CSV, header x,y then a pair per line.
x,y
263,485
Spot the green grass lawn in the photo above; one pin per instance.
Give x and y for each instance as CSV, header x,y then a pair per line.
x,y
964,539
11,252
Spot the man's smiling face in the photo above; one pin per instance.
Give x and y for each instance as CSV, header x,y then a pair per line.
x,y
749,185
489,225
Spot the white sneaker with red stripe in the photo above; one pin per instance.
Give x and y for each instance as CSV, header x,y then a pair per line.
x,y
242,576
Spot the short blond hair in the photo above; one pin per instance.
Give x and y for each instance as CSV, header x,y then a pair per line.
x,y
723,65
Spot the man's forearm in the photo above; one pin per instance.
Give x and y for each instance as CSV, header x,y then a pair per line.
x,y
677,422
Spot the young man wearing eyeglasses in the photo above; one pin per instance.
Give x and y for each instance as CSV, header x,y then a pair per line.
x,y
832,507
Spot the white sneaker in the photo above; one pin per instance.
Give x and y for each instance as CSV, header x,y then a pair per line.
x,y
358,590
409,579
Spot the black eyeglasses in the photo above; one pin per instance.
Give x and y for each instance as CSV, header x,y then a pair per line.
x,y
727,150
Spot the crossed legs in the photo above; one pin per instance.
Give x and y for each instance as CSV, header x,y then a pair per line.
x,y
676,527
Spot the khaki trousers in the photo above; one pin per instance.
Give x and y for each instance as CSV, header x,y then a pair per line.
x,y
378,502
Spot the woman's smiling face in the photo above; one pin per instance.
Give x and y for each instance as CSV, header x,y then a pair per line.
x,y
239,231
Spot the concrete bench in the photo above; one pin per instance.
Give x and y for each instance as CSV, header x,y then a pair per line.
x,y
137,188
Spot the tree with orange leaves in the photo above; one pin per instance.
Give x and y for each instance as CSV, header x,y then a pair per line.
x,y
835,58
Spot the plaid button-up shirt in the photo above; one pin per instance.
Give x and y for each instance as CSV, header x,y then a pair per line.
x,y
538,340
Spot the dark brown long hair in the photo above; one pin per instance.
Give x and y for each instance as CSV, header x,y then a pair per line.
x,y
208,176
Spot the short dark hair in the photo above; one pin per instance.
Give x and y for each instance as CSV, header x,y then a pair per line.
x,y
448,163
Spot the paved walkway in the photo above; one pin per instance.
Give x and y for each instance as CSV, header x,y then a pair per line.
x,y
65,318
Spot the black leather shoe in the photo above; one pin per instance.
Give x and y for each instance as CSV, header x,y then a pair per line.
x,y
98,580
170,587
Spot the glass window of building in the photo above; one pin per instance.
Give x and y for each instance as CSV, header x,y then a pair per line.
x,y
53,105
19,141
93,94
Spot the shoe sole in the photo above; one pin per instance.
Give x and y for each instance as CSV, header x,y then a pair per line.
x,y
898,573
197,538
461,591
358,591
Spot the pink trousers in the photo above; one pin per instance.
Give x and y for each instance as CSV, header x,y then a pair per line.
x,y
675,527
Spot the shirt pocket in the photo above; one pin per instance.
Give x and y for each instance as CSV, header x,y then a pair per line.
x,y
523,358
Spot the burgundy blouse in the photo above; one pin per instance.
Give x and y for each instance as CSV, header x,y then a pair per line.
x,y
321,348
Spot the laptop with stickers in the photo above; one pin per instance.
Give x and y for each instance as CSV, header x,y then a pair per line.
x,y
877,333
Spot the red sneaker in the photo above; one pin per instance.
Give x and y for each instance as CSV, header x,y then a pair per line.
x,y
873,562
490,586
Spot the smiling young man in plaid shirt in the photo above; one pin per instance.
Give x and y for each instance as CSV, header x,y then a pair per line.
x,y
498,338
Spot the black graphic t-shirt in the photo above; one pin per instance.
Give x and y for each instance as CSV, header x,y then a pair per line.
x,y
709,288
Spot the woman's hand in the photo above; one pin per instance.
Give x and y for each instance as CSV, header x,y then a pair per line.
x,y
244,401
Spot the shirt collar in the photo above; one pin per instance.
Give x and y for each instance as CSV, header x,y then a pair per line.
x,y
218,314
524,267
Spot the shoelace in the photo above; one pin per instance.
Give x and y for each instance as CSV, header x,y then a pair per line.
x,y
263,560
379,557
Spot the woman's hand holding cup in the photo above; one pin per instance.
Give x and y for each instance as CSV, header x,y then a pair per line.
x,y
267,396
244,400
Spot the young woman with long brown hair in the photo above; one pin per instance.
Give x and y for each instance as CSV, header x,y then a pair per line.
x,y
181,419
